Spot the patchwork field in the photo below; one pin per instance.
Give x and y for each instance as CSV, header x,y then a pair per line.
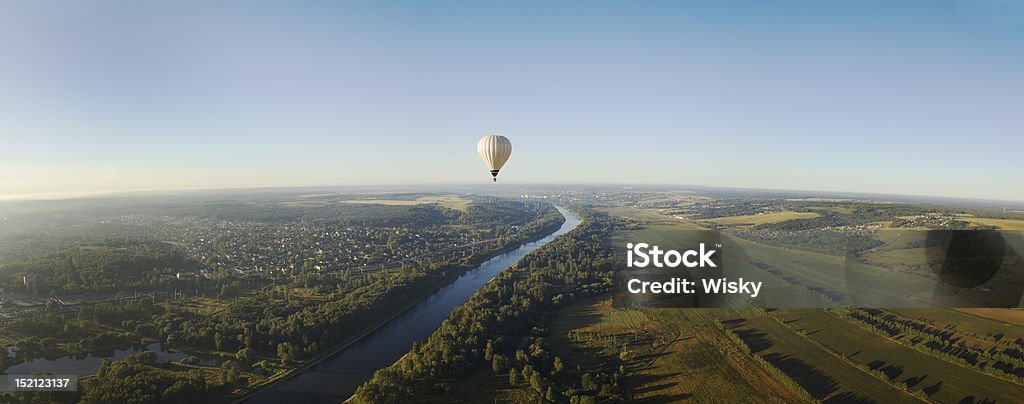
x,y
833,358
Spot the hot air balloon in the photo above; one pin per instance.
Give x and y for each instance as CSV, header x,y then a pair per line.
x,y
494,150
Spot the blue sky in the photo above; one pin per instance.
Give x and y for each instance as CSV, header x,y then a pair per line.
x,y
921,98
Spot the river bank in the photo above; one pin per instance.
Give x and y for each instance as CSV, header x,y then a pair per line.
x,y
319,380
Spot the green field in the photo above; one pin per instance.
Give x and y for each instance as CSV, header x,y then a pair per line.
x,y
831,357
1007,317
902,249
647,216
763,218
678,354
946,381
1002,224
825,375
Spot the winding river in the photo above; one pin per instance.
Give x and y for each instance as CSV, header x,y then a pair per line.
x,y
335,378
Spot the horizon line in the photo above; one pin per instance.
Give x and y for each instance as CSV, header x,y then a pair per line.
x,y
59,196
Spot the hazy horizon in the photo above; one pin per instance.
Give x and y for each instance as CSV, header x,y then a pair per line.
x,y
489,189
909,98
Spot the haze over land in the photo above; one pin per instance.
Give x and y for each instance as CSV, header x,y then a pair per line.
x,y
919,98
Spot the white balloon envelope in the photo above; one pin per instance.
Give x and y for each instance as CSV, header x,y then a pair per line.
x,y
494,150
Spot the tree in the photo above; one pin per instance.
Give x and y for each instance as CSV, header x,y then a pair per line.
x,y
245,355
228,373
286,351
489,350
521,356
512,379
499,363
536,382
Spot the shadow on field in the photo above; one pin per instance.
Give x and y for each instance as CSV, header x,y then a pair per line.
x,y
652,385
653,388
912,382
975,400
892,371
816,382
648,358
755,339
736,321
931,390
